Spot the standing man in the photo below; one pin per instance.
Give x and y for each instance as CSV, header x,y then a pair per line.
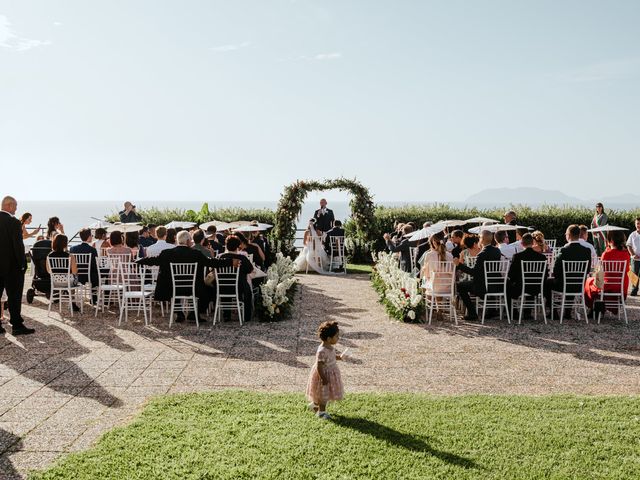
x,y
633,245
324,217
129,214
510,218
13,264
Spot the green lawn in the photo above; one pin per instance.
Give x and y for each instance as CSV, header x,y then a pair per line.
x,y
396,436
358,268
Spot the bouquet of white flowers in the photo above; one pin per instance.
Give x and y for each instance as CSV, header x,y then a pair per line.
x,y
276,293
399,290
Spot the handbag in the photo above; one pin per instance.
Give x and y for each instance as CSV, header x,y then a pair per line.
x,y
599,277
210,279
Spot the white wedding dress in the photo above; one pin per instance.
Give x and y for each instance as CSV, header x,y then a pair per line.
x,y
313,256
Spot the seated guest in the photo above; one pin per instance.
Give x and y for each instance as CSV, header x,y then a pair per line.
x,y
514,282
117,245
214,244
539,243
502,239
200,244
471,247
476,286
54,227
232,243
336,231
85,247
152,232
99,240
584,241
171,237
132,240
456,241
212,231
129,214
402,246
262,241
59,246
616,250
633,246
146,240
572,251
421,250
437,253
252,249
161,245
183,253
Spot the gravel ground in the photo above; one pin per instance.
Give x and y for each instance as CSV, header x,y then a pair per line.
x,y
76,378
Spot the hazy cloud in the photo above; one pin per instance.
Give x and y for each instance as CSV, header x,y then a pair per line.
x,y
602,71
10,40
231,47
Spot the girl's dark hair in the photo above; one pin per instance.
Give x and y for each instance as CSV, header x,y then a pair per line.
x,y
24,217
241,237
470,240
232,242
171,235
51,226
101,233
618,239
132,239
115,238
327,330
60,243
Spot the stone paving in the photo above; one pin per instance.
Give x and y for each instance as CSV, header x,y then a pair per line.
x,y
76,378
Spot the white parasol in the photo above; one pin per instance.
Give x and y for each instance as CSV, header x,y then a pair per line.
x,y
482,220
496,228
179,224
100,224
606,228
247,228
124,227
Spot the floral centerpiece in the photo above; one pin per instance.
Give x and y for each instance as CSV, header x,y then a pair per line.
x,y
276,293
399,291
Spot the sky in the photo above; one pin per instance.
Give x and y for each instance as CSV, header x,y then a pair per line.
x,y
231,100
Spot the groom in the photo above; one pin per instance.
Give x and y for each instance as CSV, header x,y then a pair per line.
x,y
324,217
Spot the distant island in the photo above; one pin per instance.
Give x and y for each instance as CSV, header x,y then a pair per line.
x,y
538,196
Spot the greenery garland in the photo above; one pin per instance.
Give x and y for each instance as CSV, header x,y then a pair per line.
x,y
294,195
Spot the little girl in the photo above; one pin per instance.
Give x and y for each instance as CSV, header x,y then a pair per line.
x,y
325,383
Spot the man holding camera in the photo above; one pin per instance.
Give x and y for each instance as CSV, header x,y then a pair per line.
x,y
129,214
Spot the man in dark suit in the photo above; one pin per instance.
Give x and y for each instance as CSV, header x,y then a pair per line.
x,y
13,264
477,284
336,231
571,252
183,253
324,217
129,214
514,282
402,246
510,218
85,247
244,287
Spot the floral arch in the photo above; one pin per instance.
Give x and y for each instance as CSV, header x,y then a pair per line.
x,y
294,195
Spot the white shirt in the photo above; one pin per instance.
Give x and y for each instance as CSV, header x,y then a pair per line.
x,y
584,243
158,247
634,242
450,245
508,250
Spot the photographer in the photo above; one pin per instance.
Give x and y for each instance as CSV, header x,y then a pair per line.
x,y
129,214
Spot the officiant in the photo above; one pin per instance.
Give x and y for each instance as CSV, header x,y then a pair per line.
x,y
324,217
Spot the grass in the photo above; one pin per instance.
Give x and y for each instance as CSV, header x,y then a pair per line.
x,y
358,268
234,434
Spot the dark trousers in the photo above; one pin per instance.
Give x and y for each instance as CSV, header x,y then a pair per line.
x,y
13,283
635,266
465,288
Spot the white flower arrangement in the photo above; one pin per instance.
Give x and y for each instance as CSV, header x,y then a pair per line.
x,y
400,289
274,291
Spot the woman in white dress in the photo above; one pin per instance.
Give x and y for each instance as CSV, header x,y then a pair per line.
x,y
313,256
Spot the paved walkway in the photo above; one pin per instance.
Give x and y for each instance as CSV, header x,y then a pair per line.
x,y
61,388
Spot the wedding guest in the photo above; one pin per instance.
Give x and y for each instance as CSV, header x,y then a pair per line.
x,y
514,277
615,251
324,217
325,383
262,241
54,227
584,241
161,245
152,232
132,240
571,252
471,244
539,243
85,247
183,253
456,240
100,238
502,240
26,220
129,214
252,249
633,246
437,253
214,244
476,286
59,246
600,219
146,240
172,234
212,231
336,231
200,244
402,247
510,218
232,244
13,264
117,245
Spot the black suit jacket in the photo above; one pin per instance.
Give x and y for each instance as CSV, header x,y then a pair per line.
x,y
334,232
245,269
570,252
405,252
12,257
515,270
131,217
93,266
181,254
487,254
324,222
512,233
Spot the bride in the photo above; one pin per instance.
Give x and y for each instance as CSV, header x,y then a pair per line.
x,y
313,255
